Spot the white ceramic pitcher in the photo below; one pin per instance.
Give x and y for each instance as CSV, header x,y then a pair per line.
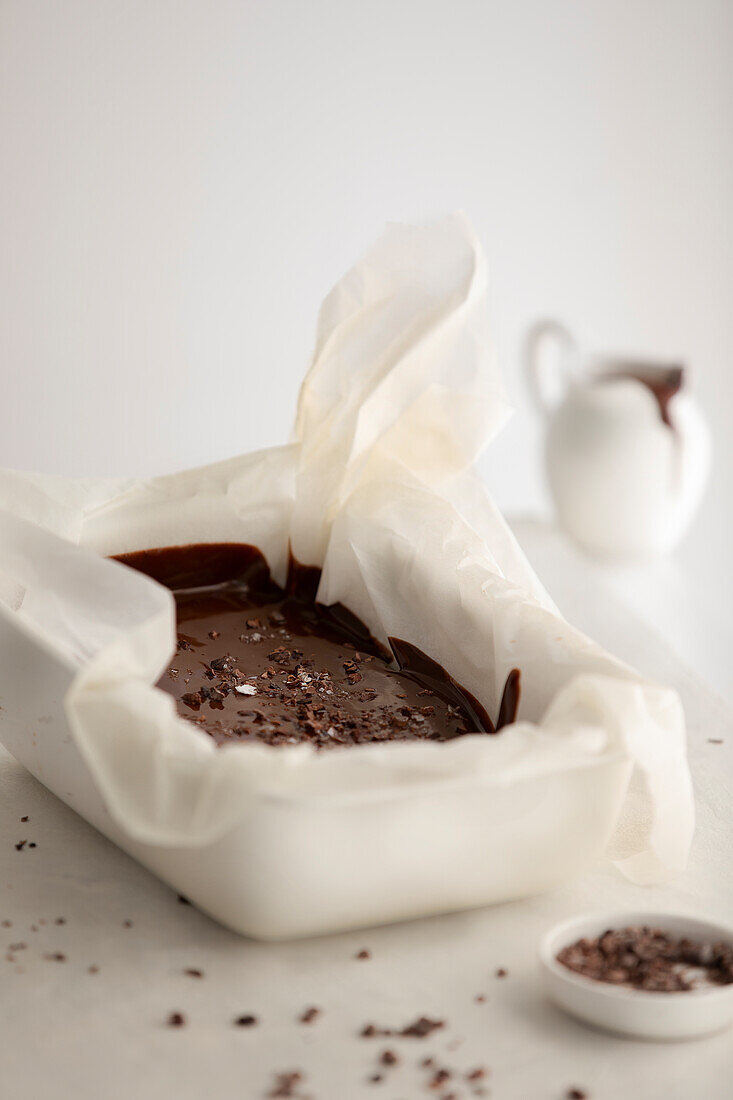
x,y
627,448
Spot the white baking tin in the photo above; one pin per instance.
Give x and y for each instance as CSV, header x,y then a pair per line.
x,y
377,490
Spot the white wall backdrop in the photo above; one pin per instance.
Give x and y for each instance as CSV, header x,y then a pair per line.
x,y
183,181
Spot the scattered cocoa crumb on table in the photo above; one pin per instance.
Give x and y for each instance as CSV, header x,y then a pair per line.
x,y
56,956
418,1029
364,954
25,818
193,972
501,972
285,1085
20,845
245,1021
309,1015
183,900
576,1094
176,1019
388,1058
439,1078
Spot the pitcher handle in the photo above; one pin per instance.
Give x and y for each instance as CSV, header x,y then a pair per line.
x,y
548,376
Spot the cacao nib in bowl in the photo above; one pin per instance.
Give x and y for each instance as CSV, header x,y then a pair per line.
x,y
647,975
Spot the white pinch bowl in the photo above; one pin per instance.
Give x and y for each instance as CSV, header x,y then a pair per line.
x,y
636,1013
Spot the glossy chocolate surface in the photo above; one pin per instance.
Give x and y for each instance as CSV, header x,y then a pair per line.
x,y
256,662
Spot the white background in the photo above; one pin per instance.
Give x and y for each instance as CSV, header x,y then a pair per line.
x,y
183,181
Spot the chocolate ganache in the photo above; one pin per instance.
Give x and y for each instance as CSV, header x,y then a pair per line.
x,y
258,662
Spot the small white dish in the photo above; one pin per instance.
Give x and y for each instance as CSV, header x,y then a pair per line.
x,y
633,1012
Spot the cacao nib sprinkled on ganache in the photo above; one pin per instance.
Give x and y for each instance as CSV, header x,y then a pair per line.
x,y
308,673
650,959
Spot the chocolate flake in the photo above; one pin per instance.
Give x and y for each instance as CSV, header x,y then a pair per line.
x,y
193,972
418,1029
477,1074
285,1085
309,1015
439,1078
176,1019
245,1021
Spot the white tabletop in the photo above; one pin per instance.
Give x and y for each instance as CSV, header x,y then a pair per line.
x,y
69,1033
